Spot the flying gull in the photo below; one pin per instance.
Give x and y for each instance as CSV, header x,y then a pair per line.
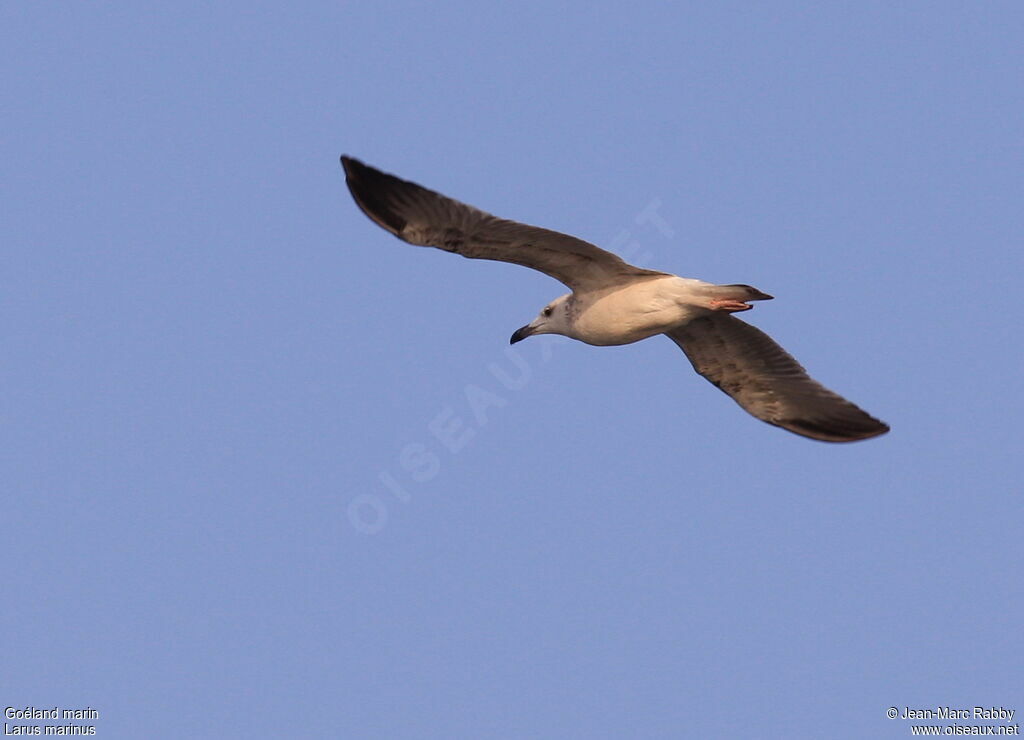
x,y
613,302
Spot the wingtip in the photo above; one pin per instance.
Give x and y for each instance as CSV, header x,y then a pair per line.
x,y
834,430
350,164
372,191
878,431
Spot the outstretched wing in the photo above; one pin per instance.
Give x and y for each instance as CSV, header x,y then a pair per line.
x,y
428,219
766,381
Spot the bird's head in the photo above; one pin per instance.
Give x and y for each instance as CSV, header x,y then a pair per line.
x,y
552,319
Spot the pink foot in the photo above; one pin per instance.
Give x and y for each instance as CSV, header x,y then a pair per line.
x,y
726,304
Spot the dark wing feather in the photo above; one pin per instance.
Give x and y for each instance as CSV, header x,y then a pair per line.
x,y
425,218
764,379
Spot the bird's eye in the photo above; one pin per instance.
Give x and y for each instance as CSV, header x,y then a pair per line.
x,y
547,311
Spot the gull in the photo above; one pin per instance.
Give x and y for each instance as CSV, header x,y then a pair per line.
x,y
613,302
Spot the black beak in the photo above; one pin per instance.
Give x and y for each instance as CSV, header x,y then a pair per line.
x,y
521,334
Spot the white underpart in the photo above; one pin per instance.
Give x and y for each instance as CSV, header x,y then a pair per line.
x,y
638,310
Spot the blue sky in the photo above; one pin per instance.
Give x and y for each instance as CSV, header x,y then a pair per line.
x,y
227,508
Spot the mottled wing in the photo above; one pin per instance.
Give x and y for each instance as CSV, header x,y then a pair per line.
x,y
425,218
766,381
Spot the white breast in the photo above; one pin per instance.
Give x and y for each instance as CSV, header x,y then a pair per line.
x,y
636,311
